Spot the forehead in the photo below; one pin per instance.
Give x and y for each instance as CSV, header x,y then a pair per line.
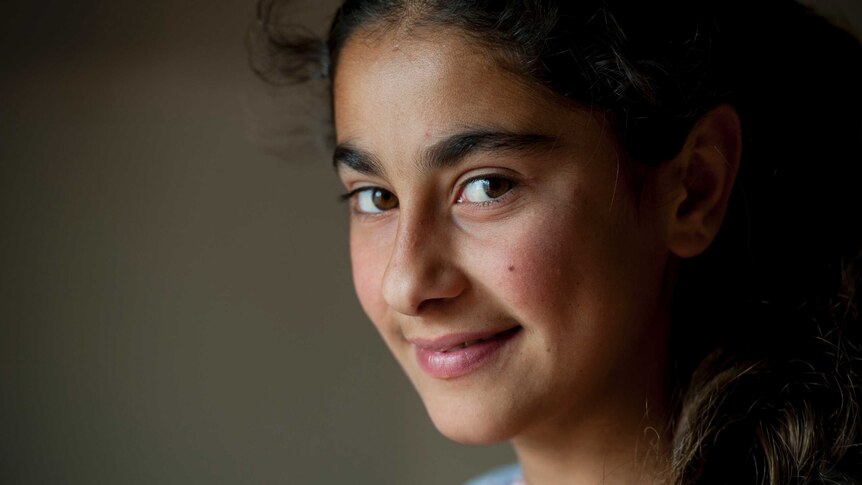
x,y
395,90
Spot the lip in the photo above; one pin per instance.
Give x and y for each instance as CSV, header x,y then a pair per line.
x,y
441,358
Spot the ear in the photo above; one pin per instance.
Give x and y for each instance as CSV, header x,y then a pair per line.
x,y
705,171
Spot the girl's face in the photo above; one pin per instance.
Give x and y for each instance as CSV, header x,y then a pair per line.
x,y
496,244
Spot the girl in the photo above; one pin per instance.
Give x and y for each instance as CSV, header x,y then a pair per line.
x,y
624,236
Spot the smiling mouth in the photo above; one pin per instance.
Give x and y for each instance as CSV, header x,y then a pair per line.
x,y
457,355
470,343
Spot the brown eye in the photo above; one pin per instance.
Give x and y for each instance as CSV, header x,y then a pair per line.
x,y
375,200
485,189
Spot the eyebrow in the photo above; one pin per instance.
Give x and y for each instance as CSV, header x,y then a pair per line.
x,y
447,152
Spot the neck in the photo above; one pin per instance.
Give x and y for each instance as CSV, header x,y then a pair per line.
x,y
603,451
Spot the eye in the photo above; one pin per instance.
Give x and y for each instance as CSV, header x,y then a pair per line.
x,y
374,200
485,189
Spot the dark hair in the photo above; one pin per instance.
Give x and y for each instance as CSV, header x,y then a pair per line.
x,y
765,323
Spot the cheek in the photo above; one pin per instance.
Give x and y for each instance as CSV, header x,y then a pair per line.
x,y
533,275
368,264
556,267
532,271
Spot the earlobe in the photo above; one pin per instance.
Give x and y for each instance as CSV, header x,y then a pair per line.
x,y
707,167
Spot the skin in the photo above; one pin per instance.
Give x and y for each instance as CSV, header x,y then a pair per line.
x,y
563,250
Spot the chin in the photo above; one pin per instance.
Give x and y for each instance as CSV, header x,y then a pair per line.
x,y
470,425
471,435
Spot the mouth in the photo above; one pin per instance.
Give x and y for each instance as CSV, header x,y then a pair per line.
x,y
457,341
456,355
470,343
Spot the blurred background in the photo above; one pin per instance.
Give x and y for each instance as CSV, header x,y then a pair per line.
x,y
175,289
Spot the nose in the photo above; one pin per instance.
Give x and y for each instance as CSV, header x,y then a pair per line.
x,y
422,271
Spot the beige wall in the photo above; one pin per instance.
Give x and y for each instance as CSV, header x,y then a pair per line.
x,y
176,303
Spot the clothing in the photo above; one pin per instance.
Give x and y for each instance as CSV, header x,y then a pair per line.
x,y
507,475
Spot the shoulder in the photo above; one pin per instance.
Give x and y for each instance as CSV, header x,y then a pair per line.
x,y
507,475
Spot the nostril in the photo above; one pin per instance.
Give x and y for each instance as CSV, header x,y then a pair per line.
x,y
431,304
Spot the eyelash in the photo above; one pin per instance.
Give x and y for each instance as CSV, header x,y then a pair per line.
x,y
348,196
488,203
